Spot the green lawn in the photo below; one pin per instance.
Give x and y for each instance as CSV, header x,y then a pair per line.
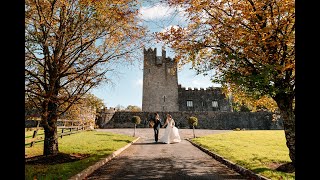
x,y
258,150
97,144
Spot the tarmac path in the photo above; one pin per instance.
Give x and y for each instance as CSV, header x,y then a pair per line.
x,y
145,159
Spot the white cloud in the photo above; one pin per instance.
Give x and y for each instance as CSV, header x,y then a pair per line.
x,y
159,11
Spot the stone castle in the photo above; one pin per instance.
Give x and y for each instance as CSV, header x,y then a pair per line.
x,y
161,91
162,94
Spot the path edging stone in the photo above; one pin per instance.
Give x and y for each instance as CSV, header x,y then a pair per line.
x,y
241,170
86,172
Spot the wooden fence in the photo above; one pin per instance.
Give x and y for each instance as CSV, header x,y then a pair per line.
x,y
68,127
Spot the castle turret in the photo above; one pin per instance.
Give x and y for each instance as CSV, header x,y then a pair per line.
x,y
160,82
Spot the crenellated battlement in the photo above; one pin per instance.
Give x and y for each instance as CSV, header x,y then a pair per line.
x,y
150,51
150,55
169,59
189,89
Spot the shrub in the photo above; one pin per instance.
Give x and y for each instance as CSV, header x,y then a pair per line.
x,y
193,121
136,119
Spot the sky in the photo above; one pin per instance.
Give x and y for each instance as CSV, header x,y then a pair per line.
x,y
126,87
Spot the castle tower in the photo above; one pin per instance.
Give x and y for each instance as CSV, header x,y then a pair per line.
x,y
160,82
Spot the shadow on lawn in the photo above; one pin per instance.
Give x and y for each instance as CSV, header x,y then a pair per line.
x,y
55,159
260,170
286,168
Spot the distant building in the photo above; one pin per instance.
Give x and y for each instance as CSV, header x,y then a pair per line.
x,y
161,91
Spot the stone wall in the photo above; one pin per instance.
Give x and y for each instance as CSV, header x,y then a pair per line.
x,y
104,116
206,120
202,99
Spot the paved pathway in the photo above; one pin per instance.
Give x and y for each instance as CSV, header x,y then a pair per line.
x,y
146,160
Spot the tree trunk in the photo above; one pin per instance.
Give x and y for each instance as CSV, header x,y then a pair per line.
x,y
50,130
50,142
194,135
285,104
134,132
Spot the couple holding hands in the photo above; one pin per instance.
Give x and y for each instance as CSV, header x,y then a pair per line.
x,y
171,134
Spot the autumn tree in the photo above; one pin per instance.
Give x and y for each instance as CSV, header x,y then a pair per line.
x,y
250,44
92,101
89,103
69,47
241,101
120,108
30,111
133,108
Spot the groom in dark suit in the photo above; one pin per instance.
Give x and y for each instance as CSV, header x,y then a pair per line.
x,y
156,127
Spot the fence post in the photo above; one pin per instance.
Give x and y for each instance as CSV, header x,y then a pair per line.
x,y
62,132
35,133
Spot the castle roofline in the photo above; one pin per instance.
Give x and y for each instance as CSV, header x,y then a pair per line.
x,y
197,89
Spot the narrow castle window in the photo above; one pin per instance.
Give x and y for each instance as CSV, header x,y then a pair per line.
x,y
164,98
189,103
202,103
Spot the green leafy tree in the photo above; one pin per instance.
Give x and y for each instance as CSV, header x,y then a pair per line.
x,y
136,120
193,121
69,49
249,43
133,108
93,101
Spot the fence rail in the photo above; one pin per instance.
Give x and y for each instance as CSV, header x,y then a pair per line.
x,y
69,127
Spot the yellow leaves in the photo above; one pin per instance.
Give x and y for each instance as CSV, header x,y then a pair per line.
x,y
288,66
254,104
253,29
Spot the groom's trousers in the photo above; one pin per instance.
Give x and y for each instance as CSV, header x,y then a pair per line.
x,y
156,134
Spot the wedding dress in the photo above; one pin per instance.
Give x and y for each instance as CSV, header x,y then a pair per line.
x,y
171,134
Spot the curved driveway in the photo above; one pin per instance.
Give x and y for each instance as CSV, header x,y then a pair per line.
x,y
146,160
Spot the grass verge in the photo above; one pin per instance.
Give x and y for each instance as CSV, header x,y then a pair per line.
x,y
261,151
97,144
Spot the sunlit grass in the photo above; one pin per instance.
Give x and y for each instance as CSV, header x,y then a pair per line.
x,y
97,144
258,150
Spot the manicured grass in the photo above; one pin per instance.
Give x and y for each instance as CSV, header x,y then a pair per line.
x,y
97,144
29,134
258,150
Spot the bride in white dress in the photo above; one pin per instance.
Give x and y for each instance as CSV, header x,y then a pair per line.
x,y
171,134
